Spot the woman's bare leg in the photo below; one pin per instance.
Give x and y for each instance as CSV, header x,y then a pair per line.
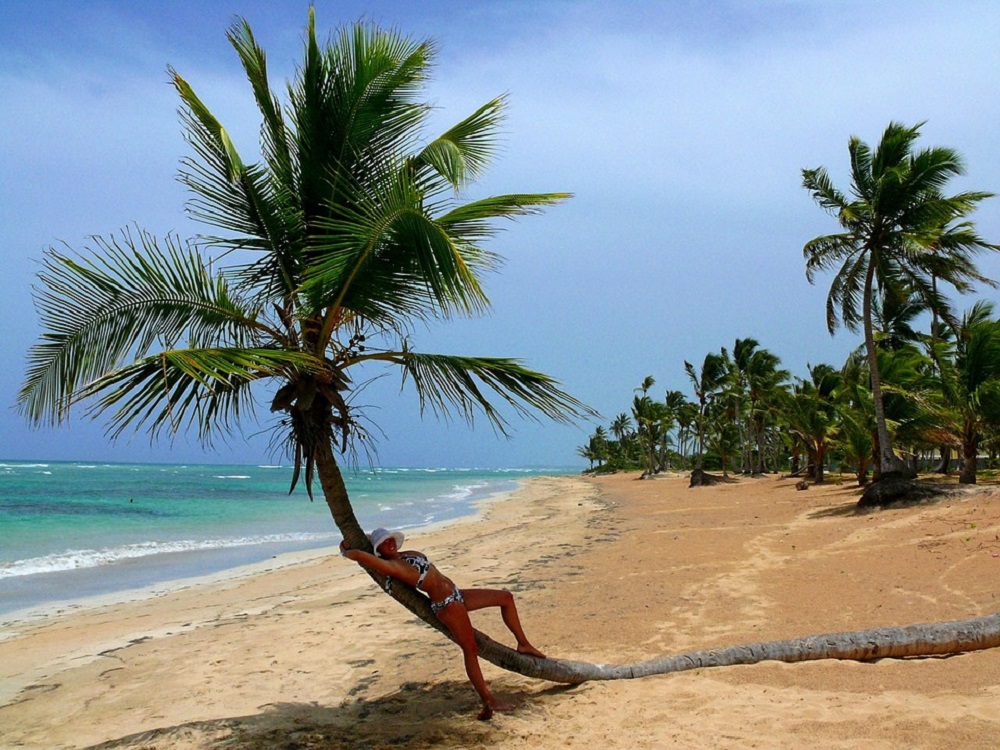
x,y
481,598
456,618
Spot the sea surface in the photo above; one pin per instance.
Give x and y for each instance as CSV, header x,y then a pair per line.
x,y
74,530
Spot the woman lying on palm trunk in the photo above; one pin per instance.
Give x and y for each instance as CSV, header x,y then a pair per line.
x,y
448,602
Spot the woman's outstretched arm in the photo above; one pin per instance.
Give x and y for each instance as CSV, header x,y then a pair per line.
x,y
394,568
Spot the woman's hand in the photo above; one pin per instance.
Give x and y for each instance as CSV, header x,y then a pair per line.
x,y
344,546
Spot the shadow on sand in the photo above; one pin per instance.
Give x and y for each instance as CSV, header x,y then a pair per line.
x,y
416,715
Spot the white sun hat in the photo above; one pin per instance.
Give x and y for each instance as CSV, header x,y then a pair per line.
x,y
379,535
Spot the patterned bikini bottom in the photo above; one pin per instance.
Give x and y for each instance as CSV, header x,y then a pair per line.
x,y
454,596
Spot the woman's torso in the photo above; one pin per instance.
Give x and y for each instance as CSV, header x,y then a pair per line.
x,y
434,583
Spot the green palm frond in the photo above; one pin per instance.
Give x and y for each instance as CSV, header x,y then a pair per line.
x,y
860,157
474,221
274,135
352,105
824,253
846,296
819,185
447,382
894,149
211,135
241,199
461,154
101,311
387,259
202,389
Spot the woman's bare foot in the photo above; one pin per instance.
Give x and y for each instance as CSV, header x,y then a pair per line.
x,y
487,713
530,650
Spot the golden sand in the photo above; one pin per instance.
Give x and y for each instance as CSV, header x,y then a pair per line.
x,y
308,653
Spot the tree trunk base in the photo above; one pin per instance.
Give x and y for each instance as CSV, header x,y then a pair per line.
x,y
897,488
701,478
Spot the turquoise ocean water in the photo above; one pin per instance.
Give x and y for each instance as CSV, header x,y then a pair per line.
x,y
72,530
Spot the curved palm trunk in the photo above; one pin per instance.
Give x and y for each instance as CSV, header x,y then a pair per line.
x,y
863,645
335,494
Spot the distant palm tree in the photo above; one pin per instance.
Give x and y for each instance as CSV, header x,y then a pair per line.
x,y
812,414
621,426
647,383
857,417
687,420
898,225
347,233
674,403
648,416
722,435
971,382
705,382
587,451
757,377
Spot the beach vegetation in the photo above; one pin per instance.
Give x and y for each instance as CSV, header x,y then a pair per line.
x,y
941,398
898,227
914,395
969,368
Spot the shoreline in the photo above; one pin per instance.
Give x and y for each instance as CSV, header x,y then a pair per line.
x,y
151,574
129,609
608,570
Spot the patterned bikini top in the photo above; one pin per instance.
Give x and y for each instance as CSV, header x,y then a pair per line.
x,y
419,563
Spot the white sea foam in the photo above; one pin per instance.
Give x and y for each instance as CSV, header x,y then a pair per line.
x,y
91,558
462,491
232,476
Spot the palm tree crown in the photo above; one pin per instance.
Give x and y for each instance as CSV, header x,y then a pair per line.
x,y
346,231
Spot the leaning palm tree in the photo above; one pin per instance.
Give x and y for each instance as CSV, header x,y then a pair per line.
x,y
588,452
345,234
339,240
898,226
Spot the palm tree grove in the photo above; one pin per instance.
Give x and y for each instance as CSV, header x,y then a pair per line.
x,y
322,258
921,392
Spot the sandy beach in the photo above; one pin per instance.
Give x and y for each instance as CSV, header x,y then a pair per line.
x,y
308,653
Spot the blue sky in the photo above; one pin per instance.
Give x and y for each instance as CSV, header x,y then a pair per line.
x,y
681,128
